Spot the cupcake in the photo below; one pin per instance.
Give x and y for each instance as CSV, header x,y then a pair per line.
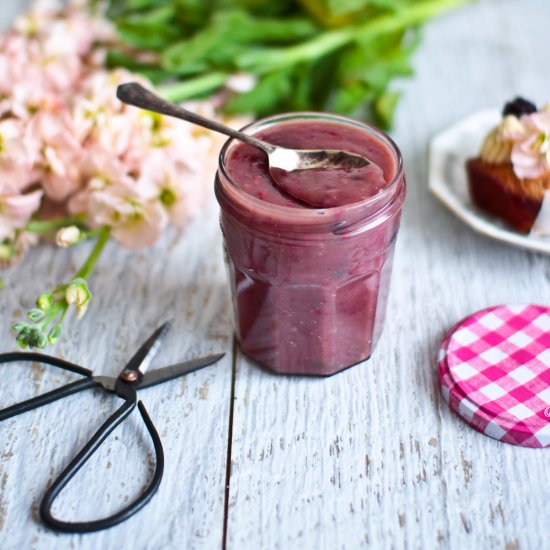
x,y
511,177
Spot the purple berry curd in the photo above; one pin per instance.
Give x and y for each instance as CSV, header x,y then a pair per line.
x,y
310,266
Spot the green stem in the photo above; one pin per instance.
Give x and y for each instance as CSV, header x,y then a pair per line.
x,y
88,266
260,61
193,87
63,312
266,60
408,17
51,314
91,234
43,227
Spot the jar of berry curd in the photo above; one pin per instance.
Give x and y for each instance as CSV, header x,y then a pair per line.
x,y
309,285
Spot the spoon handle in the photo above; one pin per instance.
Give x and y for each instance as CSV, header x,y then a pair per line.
x,y
135,94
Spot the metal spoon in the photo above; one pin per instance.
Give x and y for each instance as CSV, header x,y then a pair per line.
x,y
280,158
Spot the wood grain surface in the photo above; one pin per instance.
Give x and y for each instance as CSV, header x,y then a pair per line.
x,y
368,458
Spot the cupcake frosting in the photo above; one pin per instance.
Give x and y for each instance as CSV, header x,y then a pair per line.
x,y
531,151
498,144
522,140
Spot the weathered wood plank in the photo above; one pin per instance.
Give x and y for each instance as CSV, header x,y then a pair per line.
x,y
371,457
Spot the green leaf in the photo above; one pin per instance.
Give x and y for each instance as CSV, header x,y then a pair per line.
x,y
298,63
384,108
262,7
275,31
303,88
226,36
192,13
344,7
149,30
196,49
120,8
314,84
147,37
193,87
349,98
272,90
262,60
117,58
157,16
376,61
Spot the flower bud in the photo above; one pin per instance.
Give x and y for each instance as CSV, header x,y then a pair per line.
x,y
21,340
78,293
81,310
41,341
54,334
75,295
6,252
34,337
18,327
45,301
68,236
35,315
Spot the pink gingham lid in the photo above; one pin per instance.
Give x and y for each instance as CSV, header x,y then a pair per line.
x,y
494,371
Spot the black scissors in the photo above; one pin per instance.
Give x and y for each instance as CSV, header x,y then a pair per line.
x,y
132,378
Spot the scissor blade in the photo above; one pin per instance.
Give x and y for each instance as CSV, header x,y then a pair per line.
x,y
163,374
147,351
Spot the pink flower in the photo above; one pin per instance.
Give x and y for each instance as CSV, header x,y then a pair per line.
x,y
531,151
60,154
17,154
99,169
50,45
42,11
28,97
6,83
135,221
100,117
100,88
113,198
16,209
63,129
176,186
24,86
117,134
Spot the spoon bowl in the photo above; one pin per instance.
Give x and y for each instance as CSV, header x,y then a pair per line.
x,y
288,167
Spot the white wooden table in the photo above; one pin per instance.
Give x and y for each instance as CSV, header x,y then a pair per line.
x,y
368,458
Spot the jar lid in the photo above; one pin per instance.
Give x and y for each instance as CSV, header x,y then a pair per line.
x,y
494,371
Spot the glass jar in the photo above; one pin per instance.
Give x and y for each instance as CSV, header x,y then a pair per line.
x,y
309,286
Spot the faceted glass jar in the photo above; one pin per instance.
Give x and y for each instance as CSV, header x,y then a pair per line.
x,y
309,286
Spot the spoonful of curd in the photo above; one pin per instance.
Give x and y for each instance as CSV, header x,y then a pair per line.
x,y
321,178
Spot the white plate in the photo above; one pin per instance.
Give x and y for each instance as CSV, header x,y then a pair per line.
x,y
447,179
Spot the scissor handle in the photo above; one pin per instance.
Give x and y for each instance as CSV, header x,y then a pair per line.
x,y
44,399
83,456
13,356
50,396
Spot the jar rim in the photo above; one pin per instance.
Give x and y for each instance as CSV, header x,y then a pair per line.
x,y
312,215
